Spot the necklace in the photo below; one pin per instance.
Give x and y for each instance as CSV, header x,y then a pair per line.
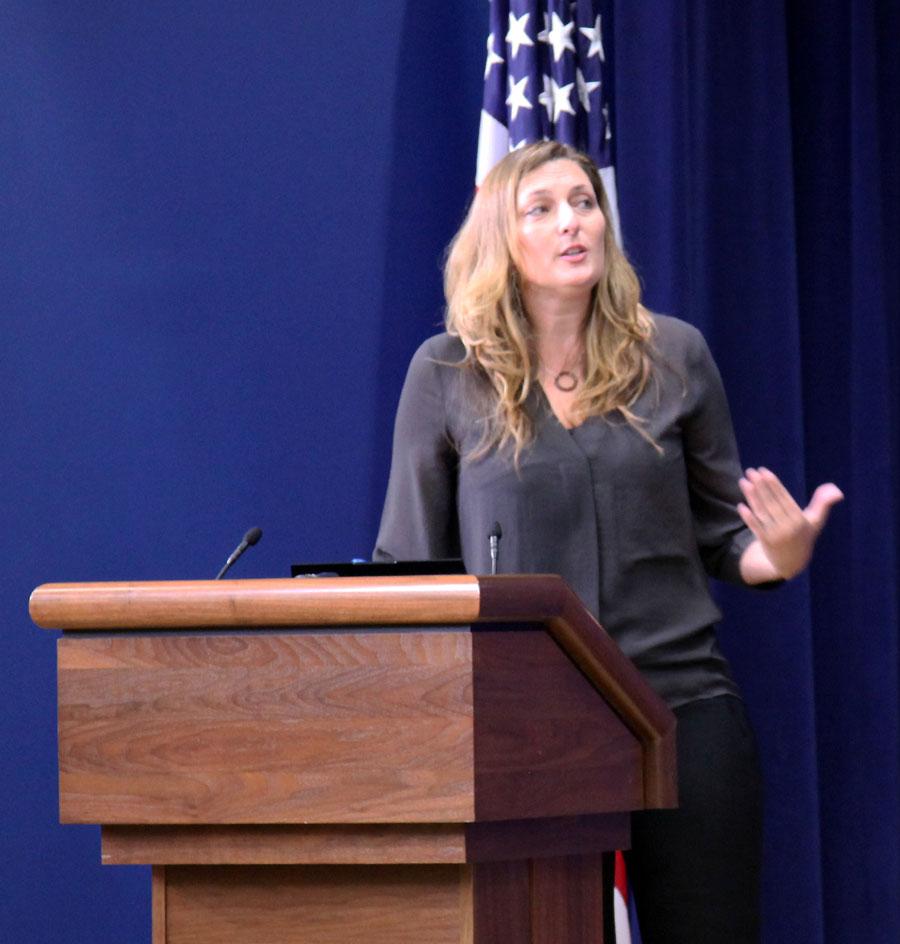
x,y
565,379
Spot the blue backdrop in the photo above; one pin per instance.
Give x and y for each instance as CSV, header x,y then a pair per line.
x,y
221,240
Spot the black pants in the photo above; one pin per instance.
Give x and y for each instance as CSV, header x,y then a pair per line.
x,y
695,871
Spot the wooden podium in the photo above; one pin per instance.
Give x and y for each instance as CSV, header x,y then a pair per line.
x,y
372,760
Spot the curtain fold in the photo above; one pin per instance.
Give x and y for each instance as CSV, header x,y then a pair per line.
x,y
758,163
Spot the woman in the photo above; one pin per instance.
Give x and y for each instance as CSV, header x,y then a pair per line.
x,y
599,436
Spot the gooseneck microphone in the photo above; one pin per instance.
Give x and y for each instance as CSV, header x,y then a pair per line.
x,y
494,536
249,539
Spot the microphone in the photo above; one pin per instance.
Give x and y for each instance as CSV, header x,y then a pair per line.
x,y
494,536
249,539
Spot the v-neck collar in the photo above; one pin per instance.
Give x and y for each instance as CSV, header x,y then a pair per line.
x,y
549,426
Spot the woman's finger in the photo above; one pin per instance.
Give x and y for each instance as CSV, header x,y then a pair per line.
x,y
824,498
776,495
758,500
751,520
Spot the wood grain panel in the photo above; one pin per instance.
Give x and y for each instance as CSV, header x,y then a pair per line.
x,y
547,599
310,905
158,904
466,906
266,728
341,844
546,744
284,845
567,900
540,838
501,897
322,601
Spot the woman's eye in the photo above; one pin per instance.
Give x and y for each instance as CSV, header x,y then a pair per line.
x,y
585,203
538,209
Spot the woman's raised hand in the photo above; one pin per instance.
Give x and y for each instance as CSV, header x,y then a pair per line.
x,y
785,532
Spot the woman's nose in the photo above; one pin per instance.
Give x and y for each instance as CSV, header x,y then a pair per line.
x,y
566,219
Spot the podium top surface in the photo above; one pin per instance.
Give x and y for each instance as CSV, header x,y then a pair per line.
x,y
267,603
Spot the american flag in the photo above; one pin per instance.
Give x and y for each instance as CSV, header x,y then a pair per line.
x,y
548,75
624,914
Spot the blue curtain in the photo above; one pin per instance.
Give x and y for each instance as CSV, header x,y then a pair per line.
x,y
758,167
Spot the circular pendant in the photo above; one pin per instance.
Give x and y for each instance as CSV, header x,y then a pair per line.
x,y
566,381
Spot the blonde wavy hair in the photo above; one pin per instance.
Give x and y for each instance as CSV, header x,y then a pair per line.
x,y
485,309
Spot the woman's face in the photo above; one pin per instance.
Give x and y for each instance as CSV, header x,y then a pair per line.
x,y
560,230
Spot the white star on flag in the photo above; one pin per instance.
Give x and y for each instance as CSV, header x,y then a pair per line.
x,y
516,36
585,89
595,38
560,37
544,35
546,98
492,58
562,99
556,98
516,98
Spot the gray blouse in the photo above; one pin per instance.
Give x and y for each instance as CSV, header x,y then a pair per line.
x,y
633,530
